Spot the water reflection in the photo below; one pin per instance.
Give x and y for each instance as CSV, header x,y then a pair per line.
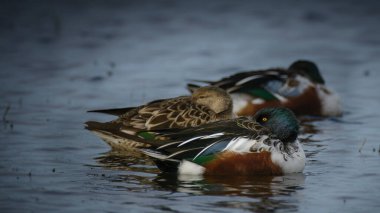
x,y
126,160
263,193
250,186
307,126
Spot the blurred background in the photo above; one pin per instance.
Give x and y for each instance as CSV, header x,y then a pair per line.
x,y
59,59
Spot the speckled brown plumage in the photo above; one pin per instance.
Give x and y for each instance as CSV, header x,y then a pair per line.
x,y
207,104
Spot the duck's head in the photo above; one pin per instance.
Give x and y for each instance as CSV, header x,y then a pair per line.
x,y
280,121
215,98
308,69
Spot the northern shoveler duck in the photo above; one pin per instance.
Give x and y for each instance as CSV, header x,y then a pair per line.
x,y
300,88
206,104
264,144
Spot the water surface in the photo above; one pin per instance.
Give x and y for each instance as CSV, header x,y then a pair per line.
x,y
63,58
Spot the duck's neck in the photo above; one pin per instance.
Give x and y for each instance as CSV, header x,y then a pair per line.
x,y
226,114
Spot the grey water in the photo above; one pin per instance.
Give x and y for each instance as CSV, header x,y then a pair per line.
x,y
59,59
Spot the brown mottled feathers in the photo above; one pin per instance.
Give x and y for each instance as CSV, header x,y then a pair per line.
x,y
247,123
206,104
171,113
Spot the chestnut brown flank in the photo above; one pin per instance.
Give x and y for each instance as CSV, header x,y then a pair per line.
x,y
307,103
231,163
250,109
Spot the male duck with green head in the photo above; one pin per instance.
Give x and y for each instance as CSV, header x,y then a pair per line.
x,y
300,88
265,144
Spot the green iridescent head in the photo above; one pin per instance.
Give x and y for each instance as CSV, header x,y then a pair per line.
x,y
307,69
280,121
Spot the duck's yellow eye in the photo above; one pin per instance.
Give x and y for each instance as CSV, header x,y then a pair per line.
x,y
264,119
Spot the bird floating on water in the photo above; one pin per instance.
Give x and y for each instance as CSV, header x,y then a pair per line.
x,y
264,144
300,88
206,104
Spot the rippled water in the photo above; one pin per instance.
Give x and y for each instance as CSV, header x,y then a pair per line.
x,y
60,59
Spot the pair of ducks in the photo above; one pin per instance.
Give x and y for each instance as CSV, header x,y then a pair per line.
x,y
202,135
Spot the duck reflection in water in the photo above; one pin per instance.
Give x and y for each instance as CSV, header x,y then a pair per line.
x,y
263,192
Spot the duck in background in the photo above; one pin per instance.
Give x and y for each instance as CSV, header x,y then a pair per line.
x,y
206,104
300,88
264,144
